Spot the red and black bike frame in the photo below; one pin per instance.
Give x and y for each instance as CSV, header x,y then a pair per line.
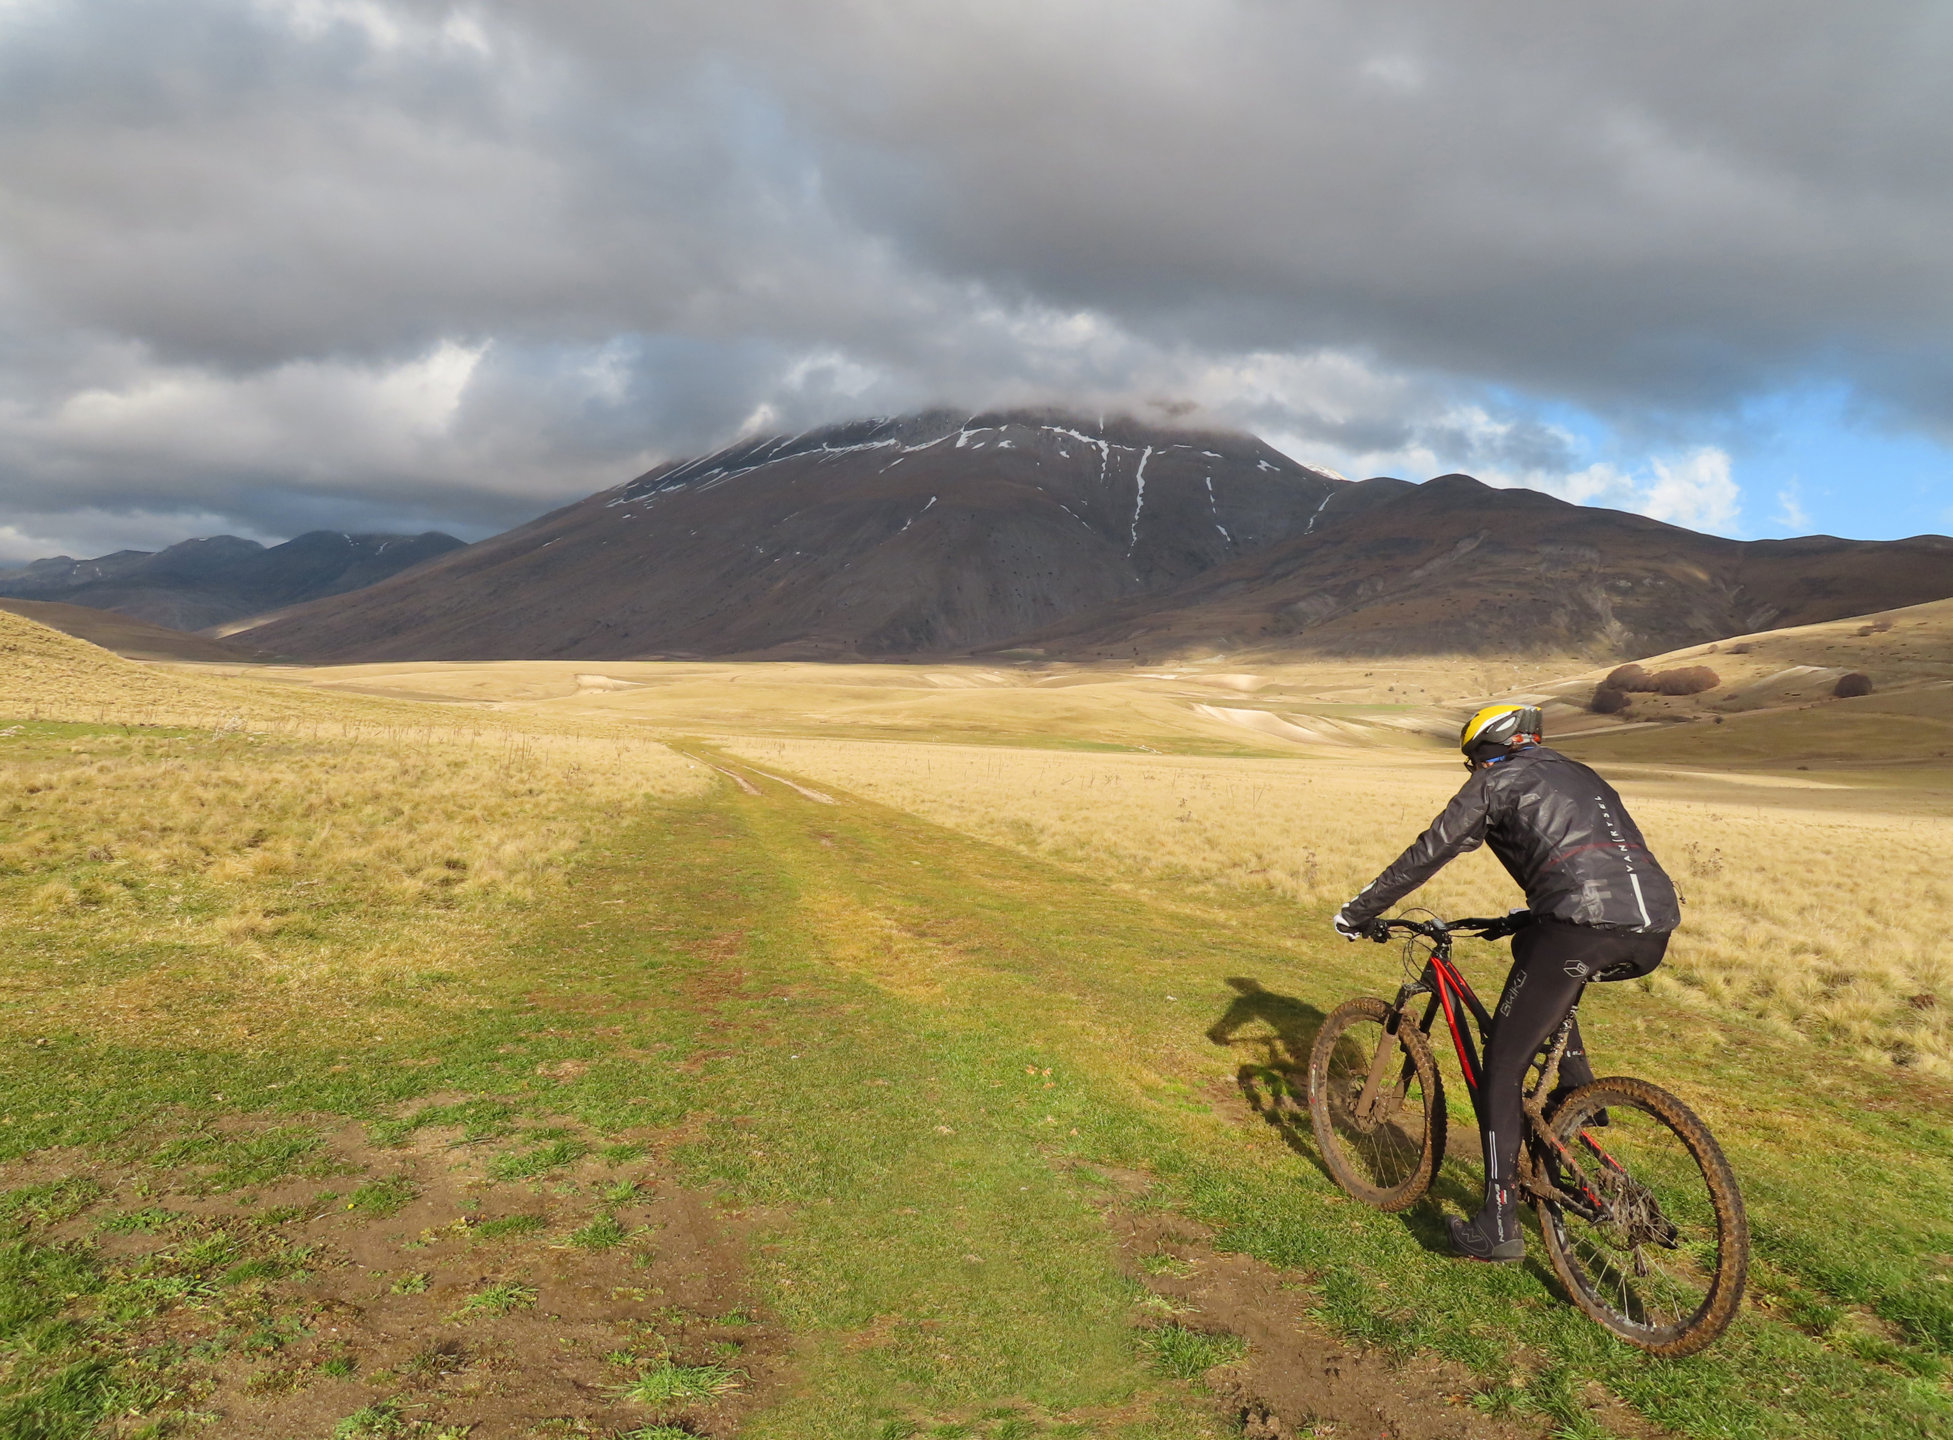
x,y
1451,993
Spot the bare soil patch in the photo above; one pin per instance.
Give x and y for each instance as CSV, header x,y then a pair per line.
x,y
1297,1379
478,1287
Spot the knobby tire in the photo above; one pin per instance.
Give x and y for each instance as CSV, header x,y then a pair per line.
x,y
1688,1232
1389,1163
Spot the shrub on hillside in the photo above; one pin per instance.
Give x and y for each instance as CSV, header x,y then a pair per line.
x,y
1689,680
1608,701
1634,679
1853,685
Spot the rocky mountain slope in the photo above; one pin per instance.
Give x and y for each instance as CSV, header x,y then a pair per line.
x,y
201,584
1454,566
934,533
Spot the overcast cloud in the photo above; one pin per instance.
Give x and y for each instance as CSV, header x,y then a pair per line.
x,y
393,264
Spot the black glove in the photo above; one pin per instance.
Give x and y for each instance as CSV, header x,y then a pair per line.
x,y
1515,921
1370,930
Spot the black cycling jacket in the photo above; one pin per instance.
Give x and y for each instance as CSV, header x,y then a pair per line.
x,y
1559,830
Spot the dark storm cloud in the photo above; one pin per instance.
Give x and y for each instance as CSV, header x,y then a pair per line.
x,y
382,261
1663,202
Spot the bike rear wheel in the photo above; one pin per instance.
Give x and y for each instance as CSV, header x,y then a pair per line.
x,y
1386,1155
1655,1247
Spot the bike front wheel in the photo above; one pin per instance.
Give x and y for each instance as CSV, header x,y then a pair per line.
x,y
1650,1239
1382,1139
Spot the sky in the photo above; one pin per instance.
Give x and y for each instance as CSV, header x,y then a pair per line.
x,y
275,265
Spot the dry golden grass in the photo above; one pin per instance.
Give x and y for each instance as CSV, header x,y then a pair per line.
x,y
1197,706
1825,922
1768,679
218,886
45,674
393,828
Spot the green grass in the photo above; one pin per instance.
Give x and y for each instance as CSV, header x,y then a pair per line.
x,y
668,1384
383,1197
495,1300
147,1221
51,1201
539,1161
603,1233
842,1002
378,1419
1188,1354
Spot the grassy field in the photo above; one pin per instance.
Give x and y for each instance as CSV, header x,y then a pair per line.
x,y
378,1068
1839,953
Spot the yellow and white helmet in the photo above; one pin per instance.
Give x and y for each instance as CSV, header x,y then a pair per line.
x,y
1496,729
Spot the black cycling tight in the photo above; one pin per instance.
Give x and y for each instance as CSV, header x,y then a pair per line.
x,y
1552,961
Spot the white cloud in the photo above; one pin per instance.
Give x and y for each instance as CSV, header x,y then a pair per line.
x,y
306,414
1402,73
1791,514
1694,490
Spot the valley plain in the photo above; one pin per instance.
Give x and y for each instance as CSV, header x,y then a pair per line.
x,y
662,1048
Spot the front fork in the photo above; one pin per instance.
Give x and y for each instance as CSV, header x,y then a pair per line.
x,y
1376,1101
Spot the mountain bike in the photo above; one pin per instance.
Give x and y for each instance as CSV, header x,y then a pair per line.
x,y
1640,1213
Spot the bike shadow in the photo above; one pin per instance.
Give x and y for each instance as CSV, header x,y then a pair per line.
x,y
1276,1033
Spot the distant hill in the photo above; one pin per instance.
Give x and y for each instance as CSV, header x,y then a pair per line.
x,y
130,638
1776,703
935,533
939,535
200,584
1453,566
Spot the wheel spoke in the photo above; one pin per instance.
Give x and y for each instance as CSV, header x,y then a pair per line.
x,y
1652,1262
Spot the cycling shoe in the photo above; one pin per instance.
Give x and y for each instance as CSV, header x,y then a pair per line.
x,y
1493,1234
1474,1244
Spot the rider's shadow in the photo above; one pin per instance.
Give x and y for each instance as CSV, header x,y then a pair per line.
x,y
1273,1035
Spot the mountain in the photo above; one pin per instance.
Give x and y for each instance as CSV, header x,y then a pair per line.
x,y
130,638
933,533
938,535
204,583
1456,566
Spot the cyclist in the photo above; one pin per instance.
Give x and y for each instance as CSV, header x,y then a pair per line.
x,y
1600,909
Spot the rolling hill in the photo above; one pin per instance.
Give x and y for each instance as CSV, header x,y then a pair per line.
x,y
130,638
935,535
202,584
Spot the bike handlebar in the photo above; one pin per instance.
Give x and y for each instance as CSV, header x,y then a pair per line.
x,y
1485,927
